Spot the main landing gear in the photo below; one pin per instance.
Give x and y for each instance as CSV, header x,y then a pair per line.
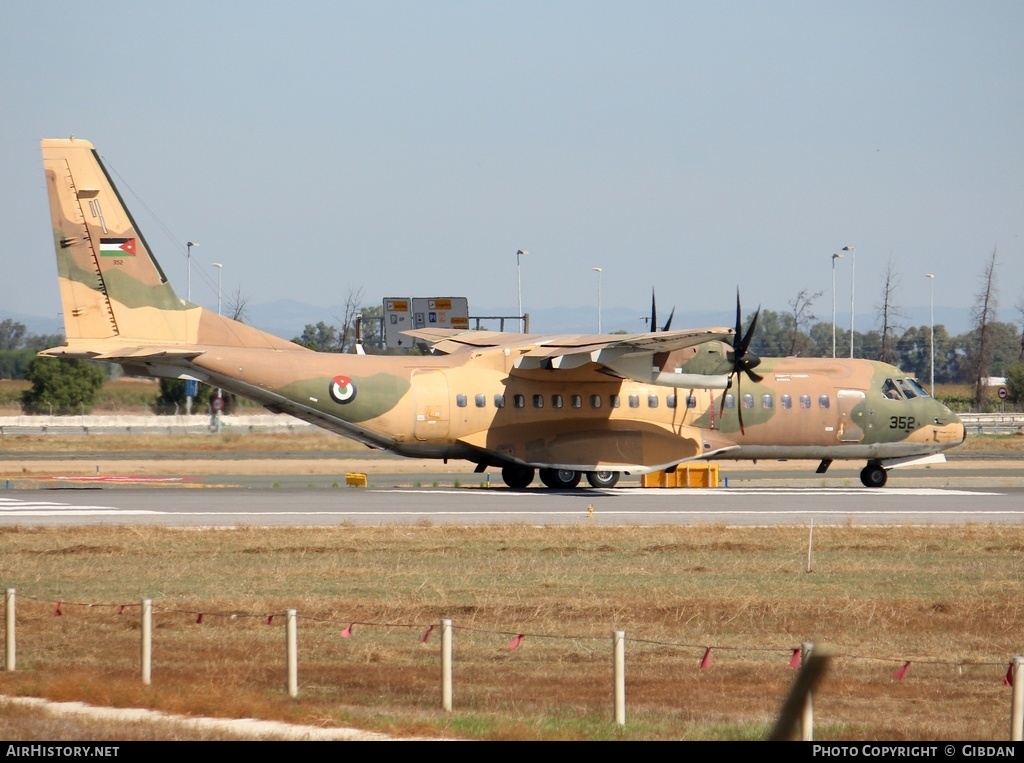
x,y
873,475
519,477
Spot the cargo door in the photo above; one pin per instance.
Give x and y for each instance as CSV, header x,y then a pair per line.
x,y
850,415
430,393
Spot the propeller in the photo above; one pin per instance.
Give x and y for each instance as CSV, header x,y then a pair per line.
x,y
743,361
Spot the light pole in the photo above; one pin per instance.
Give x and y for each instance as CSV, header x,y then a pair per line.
x,y
853,273
188,270
834,258
598,271
220,271
931,318
519,283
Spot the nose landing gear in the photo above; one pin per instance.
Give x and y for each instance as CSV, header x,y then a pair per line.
x,y
873,475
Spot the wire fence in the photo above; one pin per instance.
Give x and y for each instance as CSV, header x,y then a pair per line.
x,y
423,654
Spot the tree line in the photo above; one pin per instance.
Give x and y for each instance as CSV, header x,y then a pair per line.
x,y
989,348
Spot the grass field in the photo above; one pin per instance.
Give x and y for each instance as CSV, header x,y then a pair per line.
x,y
949,600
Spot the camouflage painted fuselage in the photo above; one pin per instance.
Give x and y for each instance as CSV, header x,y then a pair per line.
x,y
624,404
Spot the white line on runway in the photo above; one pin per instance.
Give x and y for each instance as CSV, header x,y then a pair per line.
x,y
598,513
702,492
12,507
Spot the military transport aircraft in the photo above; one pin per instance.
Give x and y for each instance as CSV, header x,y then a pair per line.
x,y
568,406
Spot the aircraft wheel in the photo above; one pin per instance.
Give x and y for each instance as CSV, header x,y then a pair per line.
x,y
560,479
873,475
603,479
517,477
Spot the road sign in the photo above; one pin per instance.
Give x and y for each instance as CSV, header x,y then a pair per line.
x,y
403,313
1003,393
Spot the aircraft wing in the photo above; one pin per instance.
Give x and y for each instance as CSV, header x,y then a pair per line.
x,y
627,356
121,353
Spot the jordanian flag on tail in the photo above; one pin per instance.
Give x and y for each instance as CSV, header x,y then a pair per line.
x,y
117,247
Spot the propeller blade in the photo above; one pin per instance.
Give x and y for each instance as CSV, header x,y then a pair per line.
x,y
739,325
654,312
750,330
668,323
739,401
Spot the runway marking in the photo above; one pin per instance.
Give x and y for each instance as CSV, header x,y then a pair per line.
x,y
119,478
13,507
696,491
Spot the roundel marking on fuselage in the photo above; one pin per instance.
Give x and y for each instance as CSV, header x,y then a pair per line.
x,y
342,390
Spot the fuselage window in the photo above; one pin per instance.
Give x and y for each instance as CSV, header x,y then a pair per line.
x,y
748,401
730,401
652,401
556,401
481,401
576,401
634,401
805,401
767,401
595,401
823,401
691,401
518,401
499,401
460,400
538,401
670,401
614,401
786,401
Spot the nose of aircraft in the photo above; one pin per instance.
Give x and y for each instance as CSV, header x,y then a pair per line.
x,y
949,428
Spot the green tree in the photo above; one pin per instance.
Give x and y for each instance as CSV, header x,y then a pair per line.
x,y
14,363
62,386
11,333
171,399
1015,381
322,337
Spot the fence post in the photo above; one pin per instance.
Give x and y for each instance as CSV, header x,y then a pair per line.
x,y
807,713
147,642
797,709
446,665
292,638
9,644
1017,700
619,649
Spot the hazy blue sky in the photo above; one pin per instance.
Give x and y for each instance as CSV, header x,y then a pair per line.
x,y
409,148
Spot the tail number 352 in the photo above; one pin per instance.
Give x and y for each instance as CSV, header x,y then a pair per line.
x,y
906,423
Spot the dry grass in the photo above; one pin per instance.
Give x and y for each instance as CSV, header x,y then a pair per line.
x,y
948,599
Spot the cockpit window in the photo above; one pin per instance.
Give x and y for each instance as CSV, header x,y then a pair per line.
x,y
891,391
907,390
917,388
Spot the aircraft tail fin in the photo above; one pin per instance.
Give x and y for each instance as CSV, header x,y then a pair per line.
x,y
112,289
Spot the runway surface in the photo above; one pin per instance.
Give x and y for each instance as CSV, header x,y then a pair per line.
x,y
325,506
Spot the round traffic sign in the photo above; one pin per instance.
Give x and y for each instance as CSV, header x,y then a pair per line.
x,y
1003,393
